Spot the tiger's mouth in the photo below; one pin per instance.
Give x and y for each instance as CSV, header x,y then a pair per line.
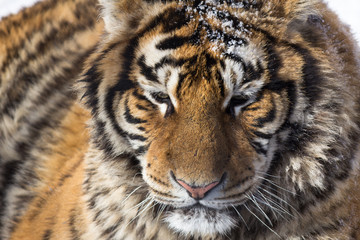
x,y
211,216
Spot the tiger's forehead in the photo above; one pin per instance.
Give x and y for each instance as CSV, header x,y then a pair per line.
x,y
192,46
212,25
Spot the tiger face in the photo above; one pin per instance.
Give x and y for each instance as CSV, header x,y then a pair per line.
x,y
201,94
211,120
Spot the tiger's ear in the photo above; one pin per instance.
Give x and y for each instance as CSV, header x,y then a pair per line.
x,y
288,9
124,16
300,9
302,15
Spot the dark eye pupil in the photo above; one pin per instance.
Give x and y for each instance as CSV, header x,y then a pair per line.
x,y
238,100
235,102
161,97
164,98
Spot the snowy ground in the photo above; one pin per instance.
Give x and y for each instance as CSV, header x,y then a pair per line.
x,y
349,10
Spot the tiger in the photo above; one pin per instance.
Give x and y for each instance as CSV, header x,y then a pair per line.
x,y
179,120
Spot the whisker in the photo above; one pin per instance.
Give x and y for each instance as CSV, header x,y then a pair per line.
x,y
280,199
162,208
274,184
153,207
135,176
247,208
266,174
150,201
227,236
279,210
140,204
241,217
147,206
275,190
276,210
129,195
275,213
261,210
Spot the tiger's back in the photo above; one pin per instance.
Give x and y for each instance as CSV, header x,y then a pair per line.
x,y
41,128
178,120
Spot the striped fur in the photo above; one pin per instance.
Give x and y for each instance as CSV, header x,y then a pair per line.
x,y
117,127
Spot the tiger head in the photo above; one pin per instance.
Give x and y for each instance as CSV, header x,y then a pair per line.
x,y
204,96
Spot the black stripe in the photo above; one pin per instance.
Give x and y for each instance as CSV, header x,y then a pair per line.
x,y
276,83
189,62
137,137
299,135
75,234
93,78
41,7
311,73
129,117
229,40
142,129
180,84
162,1
111,231
220,81
22,81
47,235
69,174
41,202
170,20
60,84
147,71
50,120
251,73
100,137
178,19
56,36
258,148
8,172
262,135
270,116
141,150
124,83
13,52
169,61
172,43
140,107
237,59
139,96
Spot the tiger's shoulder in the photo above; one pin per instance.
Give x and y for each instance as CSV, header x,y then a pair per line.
x,y
42,52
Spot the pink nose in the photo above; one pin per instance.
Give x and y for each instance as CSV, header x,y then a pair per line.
x,y
197,192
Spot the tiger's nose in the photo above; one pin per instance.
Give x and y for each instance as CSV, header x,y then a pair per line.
x,y
195,191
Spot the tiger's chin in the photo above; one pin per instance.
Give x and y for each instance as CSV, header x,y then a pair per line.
x,y
200,221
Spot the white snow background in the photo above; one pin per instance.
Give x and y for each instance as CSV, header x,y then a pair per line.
x,y
348,10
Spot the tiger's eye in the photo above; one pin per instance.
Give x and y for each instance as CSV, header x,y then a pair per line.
x,y
237,101
161,96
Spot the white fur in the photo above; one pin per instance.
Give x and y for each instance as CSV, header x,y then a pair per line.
x,y
112,24
199,222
